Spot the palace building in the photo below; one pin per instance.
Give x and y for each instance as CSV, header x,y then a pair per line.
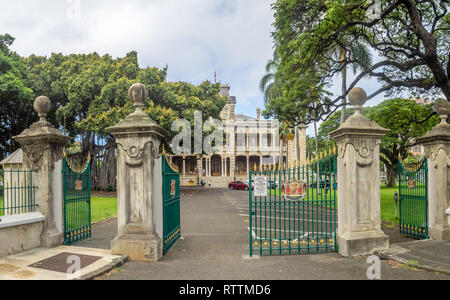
x,y
250,143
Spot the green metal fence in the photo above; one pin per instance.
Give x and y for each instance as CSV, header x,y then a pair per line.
x,y
298,215
77,203
413,199
17,192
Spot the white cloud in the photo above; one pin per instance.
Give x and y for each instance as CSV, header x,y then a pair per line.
x,y
192,36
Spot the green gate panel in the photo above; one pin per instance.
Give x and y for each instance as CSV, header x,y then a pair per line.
x,y
413,200
77,204
171,205
299,213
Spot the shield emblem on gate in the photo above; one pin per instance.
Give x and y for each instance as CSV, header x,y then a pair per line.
x,y
173,188
78,185
295,190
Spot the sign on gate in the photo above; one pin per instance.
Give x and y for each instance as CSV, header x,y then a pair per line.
x,y
261,186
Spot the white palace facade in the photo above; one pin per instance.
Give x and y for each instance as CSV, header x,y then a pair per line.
x,y
250,143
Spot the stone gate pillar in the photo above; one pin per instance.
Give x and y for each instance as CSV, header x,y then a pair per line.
x,y
138,140
358,140
437,149
43,145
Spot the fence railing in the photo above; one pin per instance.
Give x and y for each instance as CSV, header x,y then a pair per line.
x,y
299,213
17,192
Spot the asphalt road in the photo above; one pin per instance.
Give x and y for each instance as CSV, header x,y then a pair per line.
x,y
215,243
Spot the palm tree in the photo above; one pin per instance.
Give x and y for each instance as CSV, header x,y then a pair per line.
x,y
359,52
270,85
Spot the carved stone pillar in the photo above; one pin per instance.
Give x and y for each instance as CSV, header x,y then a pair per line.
x,y
138,140
359,139
43,146
437,149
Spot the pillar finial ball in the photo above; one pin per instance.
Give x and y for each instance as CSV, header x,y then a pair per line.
x,y
357,97
42,106
138,93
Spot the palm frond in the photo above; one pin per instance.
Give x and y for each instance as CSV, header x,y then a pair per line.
x,y
268,93
362,53
265,81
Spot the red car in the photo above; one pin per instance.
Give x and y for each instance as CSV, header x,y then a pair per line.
x,y
239,185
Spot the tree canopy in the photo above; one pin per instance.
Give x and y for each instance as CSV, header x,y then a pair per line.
x,y
89,93
406,119
16,97
411,38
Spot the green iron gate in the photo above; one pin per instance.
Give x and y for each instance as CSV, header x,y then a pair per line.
x,y
413,199
77,202
171,205
297,214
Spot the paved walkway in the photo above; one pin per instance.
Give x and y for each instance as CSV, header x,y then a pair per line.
x,y
215,239
428,255
58,264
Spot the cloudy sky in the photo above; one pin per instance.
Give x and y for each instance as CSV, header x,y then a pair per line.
x,y
193,37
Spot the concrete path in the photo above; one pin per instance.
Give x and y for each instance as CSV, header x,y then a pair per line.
x,y
58,263
215,240
429,255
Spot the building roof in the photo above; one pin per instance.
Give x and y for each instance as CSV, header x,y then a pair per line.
x,y
241,117
15,158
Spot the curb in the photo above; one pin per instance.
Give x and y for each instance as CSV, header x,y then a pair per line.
x,y
104,221
114,264
425,267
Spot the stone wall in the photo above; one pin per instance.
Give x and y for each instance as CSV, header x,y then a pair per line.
x,y
22,237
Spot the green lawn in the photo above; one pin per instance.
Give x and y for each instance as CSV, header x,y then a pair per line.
x,y
388,205
103,208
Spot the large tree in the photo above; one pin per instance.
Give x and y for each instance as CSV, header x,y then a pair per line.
x,y
410,37
406,119
360,52
270,84
16,98
89,93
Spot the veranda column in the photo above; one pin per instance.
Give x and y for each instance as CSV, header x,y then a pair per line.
x,y
210,167
43,146
223,167
138,140
200,168
358,140
437,149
